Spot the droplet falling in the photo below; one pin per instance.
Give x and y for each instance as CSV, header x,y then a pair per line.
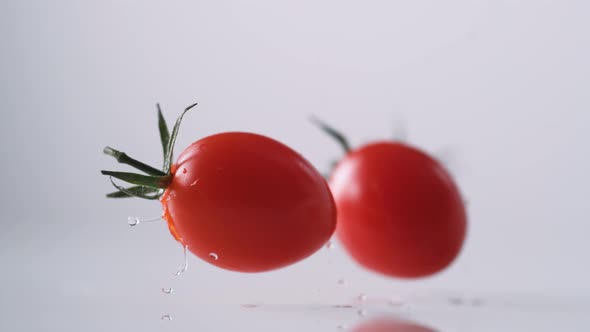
x,y
213,256
134,221
184,267
166,317
167,290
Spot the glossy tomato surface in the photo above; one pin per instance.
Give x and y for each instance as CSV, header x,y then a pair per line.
x,y
399,212
252,201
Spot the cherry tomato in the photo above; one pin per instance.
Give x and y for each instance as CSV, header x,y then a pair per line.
x,y
254,202
240,201
400,213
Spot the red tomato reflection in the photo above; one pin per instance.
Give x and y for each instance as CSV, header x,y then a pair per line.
x,y
391,325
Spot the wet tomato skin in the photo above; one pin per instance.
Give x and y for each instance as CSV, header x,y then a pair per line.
x,y
253,201
400,213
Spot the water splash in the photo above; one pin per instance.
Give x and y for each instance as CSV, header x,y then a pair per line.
x,y
184,267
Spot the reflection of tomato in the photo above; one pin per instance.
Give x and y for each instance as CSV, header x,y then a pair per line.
x,y
390,325
399,212
240,201
251,200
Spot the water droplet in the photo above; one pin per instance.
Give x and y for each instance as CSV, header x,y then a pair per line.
x,y
166,317
133,221
184,267
213,256
341,281
330,245
167,290
362,313
362,297
184,171
249,305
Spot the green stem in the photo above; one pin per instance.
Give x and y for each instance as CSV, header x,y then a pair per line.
x,y
335,134
123,158
140,179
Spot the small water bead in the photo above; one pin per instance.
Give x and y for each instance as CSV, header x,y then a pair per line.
x,y
362,297
184,267
330,245
133,221
362,313
166,317
184,171
167,290
213,256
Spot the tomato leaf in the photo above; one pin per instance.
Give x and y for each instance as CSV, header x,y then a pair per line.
x,y
164,133
337,135
172,141
136,191
141,180
123,158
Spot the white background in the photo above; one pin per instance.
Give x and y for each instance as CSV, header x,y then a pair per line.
x,y
499,89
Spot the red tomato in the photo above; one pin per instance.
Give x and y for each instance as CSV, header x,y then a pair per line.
x,y
252,201
390,325
241,201
399,212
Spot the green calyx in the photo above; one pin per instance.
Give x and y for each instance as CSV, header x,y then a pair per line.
x,y
150,185
336,135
